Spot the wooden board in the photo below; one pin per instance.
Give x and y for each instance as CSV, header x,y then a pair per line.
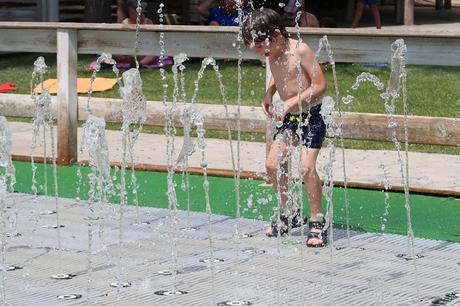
x,y
217,45
421,130
30,40
346,48
360,126
357,45
350,49
385,32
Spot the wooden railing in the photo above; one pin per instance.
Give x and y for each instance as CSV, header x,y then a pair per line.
x,y
68,40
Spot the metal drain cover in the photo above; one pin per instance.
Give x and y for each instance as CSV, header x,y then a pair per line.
x,y
63,276
120,285
234,303
170,292
209,260
67,297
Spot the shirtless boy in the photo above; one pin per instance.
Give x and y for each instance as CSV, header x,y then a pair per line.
x,y
264,33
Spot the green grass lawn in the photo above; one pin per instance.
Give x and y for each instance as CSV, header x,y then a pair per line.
x,y
432,91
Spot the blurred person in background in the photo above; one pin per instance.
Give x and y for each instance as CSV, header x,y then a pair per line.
x,y
373,5
289,15
220,12
131,19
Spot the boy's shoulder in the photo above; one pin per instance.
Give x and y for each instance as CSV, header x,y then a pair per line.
x,y
301,49
299,46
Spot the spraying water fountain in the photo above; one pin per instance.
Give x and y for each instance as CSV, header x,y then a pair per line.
x,y
100,184
44,120
7,181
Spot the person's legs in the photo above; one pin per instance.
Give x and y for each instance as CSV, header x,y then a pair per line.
x,y
312,181
358,14
314,194
376,14
275,164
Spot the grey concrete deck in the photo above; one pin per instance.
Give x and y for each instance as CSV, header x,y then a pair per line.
x,y
428,171
366,270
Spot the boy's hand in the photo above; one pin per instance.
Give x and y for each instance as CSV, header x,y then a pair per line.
x,y
285,112
291,105
287,108
281,116
267,105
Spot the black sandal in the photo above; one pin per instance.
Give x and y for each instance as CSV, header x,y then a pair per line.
x,y
286,224
321,235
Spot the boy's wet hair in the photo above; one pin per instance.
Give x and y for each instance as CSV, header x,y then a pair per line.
x,y
261,25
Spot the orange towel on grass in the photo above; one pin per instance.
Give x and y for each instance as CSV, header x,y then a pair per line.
x,y
100,84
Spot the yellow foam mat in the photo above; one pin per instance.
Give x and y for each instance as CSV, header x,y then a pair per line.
x,y
100,84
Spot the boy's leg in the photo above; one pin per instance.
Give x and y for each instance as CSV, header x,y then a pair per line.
x,y
358,14
311,180
314,190
273,165
376,14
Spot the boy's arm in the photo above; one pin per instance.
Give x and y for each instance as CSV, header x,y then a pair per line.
x,y
267,102
311,67
271,88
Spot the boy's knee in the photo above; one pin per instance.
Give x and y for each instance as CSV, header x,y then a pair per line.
x,y
270,166
273,168
308,171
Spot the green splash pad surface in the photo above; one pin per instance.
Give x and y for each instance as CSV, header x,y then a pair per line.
x,y
432,217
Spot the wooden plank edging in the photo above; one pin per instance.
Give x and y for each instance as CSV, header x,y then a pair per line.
x,y
255,175
359,126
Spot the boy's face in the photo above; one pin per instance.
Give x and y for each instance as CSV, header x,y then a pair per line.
x,y
268,47
261,47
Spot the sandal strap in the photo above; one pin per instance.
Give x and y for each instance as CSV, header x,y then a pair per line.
x,y
320,235
284,219
286,224
295,219
274,227
317,224
317,235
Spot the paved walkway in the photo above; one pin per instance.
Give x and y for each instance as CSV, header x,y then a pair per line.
x,y
369,269
427,171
